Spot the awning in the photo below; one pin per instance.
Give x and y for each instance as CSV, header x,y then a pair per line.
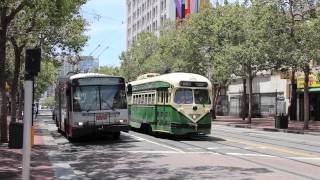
x,y
310,90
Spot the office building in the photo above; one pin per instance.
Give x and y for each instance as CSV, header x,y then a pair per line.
x,y
149,15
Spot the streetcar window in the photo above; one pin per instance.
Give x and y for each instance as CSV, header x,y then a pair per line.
x,y
149,99
135,99
201,96
152,98
183,96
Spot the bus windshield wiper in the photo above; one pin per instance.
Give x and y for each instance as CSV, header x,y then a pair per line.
x,y
109,106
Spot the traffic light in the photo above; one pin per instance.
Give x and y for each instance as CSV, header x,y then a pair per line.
x,y
32,64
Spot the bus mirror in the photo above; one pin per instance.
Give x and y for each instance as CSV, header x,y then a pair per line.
x,y
129,89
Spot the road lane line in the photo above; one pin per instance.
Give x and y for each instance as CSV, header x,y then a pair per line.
x,y
272,147
194,148
218,148
163,145
249,154
305,158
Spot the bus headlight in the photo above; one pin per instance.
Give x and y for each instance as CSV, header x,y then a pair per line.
x,y
123,121
80,123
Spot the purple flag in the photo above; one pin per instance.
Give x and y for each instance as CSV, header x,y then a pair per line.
x,y
178,7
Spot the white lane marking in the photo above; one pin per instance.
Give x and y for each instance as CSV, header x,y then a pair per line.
x,y
172,152
305,158
134,152
216,148
193,148
166,146
249,154
260,147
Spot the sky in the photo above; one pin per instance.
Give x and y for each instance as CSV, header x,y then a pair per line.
x,y
107,30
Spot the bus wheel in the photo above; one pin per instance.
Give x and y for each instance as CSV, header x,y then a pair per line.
x,y
116,135
70,139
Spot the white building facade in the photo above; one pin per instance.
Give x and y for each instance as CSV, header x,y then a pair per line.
x,y
147,15
269,91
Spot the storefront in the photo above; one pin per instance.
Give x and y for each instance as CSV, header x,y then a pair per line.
x,y
314,97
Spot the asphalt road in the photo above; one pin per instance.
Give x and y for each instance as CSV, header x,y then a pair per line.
x,y
228,153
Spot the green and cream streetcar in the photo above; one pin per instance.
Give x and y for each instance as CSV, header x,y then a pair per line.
x,y
175,103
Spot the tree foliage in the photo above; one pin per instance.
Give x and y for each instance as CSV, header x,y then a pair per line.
x,y
233,40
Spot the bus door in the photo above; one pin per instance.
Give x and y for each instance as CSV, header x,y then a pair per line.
x,y
68,109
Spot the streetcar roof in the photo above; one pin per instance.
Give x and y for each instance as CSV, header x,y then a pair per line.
x,y
173,79
90,75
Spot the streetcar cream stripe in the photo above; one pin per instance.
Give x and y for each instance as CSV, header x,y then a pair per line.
x,y
142,139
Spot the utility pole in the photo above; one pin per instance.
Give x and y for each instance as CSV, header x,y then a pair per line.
x,y
32,66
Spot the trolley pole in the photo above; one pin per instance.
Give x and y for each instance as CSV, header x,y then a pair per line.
x,y
27,129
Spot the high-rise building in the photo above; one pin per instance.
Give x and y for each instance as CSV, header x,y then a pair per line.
x,y
85,65
149,15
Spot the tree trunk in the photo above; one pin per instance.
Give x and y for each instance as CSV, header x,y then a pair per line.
x,y
250,97
17,64
3,106
216,95
244,107
293,100
306,96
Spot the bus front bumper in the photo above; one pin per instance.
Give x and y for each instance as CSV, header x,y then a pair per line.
x,y
101,129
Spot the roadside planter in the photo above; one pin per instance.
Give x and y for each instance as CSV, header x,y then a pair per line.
x,y
281,121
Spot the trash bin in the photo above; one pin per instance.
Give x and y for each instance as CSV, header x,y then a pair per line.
x,y
15,135
281,121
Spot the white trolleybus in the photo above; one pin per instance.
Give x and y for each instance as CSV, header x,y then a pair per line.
x,y
91,103
175,103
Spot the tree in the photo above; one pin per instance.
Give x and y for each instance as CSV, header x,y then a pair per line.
x,y
46,78
8,11
133,61
29,28
298,44
247,41
109,70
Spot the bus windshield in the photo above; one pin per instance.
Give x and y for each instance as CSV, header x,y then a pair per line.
x,y
104,97
185,96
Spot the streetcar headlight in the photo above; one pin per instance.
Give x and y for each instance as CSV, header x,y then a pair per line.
x,y
80,123
121,120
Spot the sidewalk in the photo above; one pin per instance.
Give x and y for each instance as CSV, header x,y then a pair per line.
x,y
11,160
268,124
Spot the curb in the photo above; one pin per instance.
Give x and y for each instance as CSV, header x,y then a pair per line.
x,y
248,126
